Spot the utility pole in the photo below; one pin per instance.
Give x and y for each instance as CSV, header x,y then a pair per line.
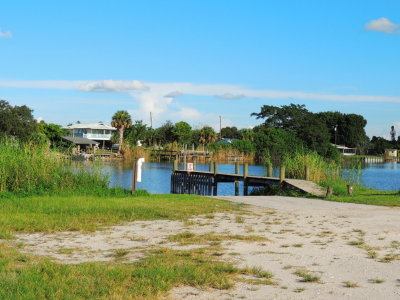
x,y
335,133
220,128
151,121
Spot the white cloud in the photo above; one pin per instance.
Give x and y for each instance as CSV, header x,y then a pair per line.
x,y
230,96
5,34
158,98
174,94
383,25
113,86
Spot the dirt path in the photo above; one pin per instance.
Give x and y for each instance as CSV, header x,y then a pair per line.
x,y
334,244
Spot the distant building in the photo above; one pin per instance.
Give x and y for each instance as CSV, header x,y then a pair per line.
x,y
346,150
98,132
391,154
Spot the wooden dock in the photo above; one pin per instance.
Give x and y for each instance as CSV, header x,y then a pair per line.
x,y
206,183
181,155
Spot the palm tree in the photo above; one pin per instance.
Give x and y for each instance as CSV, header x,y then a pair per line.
x,y
207,135
121,120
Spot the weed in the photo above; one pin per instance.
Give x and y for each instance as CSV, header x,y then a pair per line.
x,y
306,276
376,280
350,284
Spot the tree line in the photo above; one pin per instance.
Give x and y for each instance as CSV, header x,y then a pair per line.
x,y
283,130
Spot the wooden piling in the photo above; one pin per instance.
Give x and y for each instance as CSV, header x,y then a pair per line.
x,y
176,164
282,174
237,170
215,168
329,191
307,172
270,170
245,183
211,167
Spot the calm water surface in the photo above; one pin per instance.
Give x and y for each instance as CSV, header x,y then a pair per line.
x,y
156,176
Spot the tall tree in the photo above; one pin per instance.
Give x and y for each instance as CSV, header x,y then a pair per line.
x,y
16,121
121,120
183,132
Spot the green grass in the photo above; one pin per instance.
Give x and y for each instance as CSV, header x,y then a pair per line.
x,y
23,277
371,197
88,213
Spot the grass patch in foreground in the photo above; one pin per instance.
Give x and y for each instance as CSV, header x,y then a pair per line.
x,y
189,238
88,213
371,197
30,277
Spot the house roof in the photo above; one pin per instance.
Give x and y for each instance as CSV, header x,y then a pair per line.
x,y
79,140
99,125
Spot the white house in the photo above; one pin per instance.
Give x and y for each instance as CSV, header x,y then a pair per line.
x,y
346,150
99,132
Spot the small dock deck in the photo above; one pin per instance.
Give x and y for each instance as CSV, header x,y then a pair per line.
x,y
206,183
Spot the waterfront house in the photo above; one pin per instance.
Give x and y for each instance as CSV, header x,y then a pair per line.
x,y
346,150
98,132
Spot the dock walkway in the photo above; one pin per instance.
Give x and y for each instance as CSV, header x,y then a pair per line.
x,y
206,183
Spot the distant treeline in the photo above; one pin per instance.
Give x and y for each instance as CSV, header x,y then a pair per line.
x,y
285,129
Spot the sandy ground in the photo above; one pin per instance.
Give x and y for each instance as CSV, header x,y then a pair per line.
x,y
337,242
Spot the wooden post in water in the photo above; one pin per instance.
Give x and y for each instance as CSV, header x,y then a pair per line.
x,y
215,168
134,175
176,164
245,174
194,163
282,174
237,170
184,162
270,169
307,172
211,167
215,185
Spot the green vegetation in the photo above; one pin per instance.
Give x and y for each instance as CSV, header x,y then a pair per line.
x,y
350,284
121,120
26,277
368,196
71,213
306,276
189,238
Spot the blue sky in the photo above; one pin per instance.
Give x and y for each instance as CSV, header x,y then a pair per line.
x,y
198,60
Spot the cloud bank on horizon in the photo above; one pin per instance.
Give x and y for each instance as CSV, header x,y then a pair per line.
x,y
158,98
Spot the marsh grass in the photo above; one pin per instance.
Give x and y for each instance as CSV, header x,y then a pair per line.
x,y
320,170
28,169
88,213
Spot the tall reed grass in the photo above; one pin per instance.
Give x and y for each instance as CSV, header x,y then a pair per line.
x,y
320,170
32,168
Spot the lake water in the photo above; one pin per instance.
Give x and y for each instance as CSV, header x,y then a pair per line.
x,y
156,176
